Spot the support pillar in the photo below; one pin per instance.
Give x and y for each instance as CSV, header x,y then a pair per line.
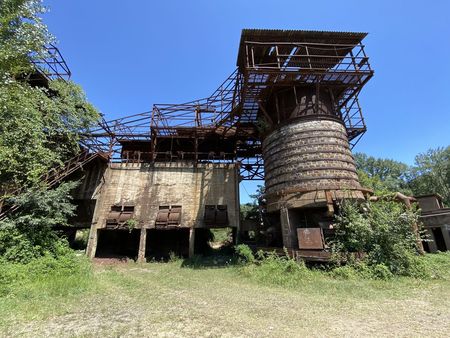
x,y
446,234
432,242
191,242
92,242
142,245
288,230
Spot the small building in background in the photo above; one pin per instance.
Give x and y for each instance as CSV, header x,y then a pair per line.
x,y
436,221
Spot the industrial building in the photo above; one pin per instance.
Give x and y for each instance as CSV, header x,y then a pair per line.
x,y
157,182
289,114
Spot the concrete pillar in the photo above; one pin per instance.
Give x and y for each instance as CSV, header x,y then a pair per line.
x,y
288,230
191,242
142,245
446,234
431,240
92,242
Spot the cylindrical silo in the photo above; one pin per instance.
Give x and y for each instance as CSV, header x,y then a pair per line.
x,y
308,154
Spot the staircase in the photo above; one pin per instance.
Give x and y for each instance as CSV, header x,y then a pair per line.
x,y
54,176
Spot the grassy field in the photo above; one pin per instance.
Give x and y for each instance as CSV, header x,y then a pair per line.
x,y
215,299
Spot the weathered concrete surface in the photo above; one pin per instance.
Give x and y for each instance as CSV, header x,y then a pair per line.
x,y
148,186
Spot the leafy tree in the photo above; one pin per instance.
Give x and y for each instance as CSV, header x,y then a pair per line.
x,y
40,129
40,126
28,233
254,209
431,173
22,36
382,175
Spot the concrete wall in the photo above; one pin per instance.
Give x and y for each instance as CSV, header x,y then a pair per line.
x,y
149,186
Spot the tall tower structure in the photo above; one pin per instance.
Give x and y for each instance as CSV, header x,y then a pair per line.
x,y
300,91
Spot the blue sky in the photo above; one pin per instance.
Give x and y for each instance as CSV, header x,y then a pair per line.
x,y
128,55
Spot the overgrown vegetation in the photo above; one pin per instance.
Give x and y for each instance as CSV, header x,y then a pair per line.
x,y
48,275
27,234
382,234
282,270
40,129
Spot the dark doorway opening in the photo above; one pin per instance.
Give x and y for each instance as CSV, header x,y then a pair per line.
x,y
439,239
161,243
117,243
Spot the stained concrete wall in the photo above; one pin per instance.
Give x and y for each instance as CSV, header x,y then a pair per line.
x,y
148,186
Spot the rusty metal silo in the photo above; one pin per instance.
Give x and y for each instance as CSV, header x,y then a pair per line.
x,y
300,89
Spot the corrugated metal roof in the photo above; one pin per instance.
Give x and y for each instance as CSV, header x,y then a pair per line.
x,y
301,36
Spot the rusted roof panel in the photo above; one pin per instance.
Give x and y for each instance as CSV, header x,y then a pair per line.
x,y
300,36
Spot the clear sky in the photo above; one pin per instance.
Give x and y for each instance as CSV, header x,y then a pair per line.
x,y
128,55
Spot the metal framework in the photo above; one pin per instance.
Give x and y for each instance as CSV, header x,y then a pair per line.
x,y
267,60
51,64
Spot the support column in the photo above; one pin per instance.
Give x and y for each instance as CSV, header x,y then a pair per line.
x,y
287,229
191,242
142,245
432,242
92,242
446,234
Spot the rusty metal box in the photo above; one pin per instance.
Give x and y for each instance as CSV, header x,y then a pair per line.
x,y
310,238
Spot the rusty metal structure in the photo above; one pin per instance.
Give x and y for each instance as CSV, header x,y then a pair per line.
x,y
230,124
288,114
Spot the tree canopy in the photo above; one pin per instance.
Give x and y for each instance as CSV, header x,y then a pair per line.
x,y
429,174
40,129
40,126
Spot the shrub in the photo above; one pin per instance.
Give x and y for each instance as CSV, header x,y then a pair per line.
x,y
271,268
28,234
382,230
381,271
46,275
244,253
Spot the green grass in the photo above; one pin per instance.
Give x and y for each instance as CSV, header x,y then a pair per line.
x,y
211,297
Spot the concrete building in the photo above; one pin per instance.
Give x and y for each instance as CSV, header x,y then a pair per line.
x,y
141,207
436,220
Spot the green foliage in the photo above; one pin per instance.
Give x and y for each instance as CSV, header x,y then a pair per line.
x,y
45,275
249,211
382,175
271,268
244,254
28,233
222,235
131,224
360,270
22,36
382,231
40,126
431,173
40,130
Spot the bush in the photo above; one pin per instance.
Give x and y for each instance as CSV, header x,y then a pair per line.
x,y
46,275
271,268
383,231
28,233
244,253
